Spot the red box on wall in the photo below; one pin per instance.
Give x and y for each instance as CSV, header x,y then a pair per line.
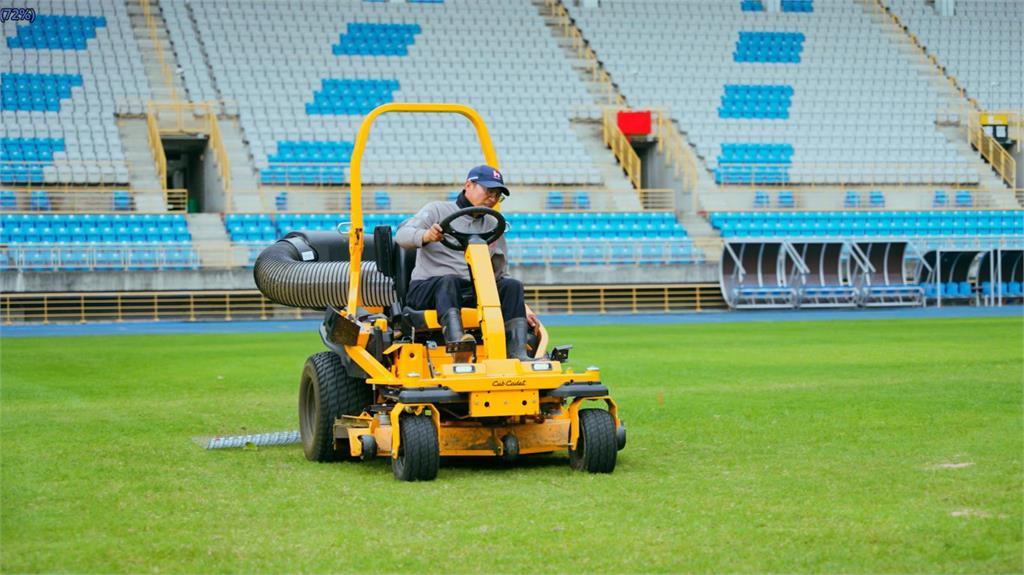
x,y
635,123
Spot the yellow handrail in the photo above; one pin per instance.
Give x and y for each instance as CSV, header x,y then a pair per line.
x,y
165,70
157,147
671,143
993,152
623,150
187,118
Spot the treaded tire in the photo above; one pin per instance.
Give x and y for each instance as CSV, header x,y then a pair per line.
x,y
326,392
597,447
418,454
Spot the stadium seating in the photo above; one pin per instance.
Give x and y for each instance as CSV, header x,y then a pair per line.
x,y
357,55
64,77
534,238
981,46
858,113
767,101
868,224
96,242
57,32
23,160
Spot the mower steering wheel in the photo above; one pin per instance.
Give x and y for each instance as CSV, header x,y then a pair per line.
x,y
463,239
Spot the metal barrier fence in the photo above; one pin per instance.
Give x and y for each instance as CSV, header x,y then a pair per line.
x,y
251,305
409,199
76,199
155,256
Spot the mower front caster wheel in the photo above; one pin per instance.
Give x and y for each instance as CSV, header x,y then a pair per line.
x,y
598,444
418,454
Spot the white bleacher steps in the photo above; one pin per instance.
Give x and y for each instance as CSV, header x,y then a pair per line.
x,y
614,178
151,63
589,132
950,127
244,186
145,183
210,240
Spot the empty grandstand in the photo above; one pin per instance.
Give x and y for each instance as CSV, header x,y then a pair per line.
x,y
663,155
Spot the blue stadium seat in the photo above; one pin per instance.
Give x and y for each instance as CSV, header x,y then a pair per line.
x,y
964,199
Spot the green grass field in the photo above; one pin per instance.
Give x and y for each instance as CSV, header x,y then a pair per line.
x,y
857,446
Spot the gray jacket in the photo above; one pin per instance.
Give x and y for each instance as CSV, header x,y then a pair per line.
x,y
437,260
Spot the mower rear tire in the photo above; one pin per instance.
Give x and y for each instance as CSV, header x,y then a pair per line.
x,y
326,392
418,454
597,446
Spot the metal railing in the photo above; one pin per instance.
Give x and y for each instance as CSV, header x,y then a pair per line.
x,y
50,257
676,150
156,145
621,147
810,199
187,118
165,69
335,175
600,252
754,175
406,199
68,198
990,149
583,50
229,305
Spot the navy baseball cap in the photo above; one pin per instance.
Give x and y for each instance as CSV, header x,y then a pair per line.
x,y
489,178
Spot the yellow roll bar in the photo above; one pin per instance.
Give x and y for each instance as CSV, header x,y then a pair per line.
x,y
355,232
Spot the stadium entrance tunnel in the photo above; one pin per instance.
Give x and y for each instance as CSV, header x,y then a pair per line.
x,y
187,157
988,276
760,274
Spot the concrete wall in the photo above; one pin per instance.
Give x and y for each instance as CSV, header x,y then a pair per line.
x,y
241,279
213,188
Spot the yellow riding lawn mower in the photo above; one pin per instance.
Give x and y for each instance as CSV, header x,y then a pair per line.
x,y
389,386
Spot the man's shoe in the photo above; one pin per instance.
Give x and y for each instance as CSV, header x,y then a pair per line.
x,y
516,333
458,343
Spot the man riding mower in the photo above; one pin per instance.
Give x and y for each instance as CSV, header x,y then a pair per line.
x,y
394,383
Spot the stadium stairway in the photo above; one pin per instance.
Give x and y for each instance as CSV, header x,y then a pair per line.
x,y
611,172
141,165
244,186
581,65
210,239
587,123
950,126
154,73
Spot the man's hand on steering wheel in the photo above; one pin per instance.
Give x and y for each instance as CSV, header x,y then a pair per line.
x,y
434,234
463,239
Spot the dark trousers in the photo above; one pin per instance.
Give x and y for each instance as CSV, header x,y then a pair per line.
x,y
443,293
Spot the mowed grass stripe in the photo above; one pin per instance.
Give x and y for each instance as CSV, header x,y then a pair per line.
x,y
853,446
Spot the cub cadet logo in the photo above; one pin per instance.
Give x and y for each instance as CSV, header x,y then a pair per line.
x,y
508,382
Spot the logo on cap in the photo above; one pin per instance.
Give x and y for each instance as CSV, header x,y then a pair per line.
x,y
497,175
